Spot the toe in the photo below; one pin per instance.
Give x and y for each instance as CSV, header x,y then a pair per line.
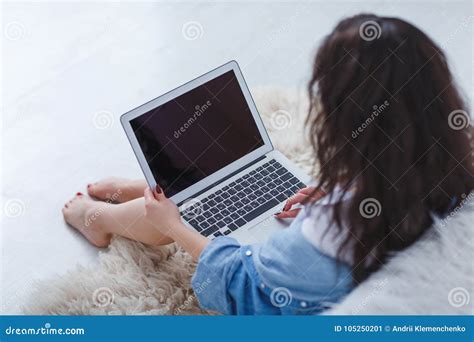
x,y
93,190
66,210
90,188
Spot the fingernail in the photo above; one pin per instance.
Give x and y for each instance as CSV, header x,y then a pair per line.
x,y
276,214
89,185
79,194
158,189
66,205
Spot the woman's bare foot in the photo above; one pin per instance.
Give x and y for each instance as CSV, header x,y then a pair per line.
x,y
115,189
83,214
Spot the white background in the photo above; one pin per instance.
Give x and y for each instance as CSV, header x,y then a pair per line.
x,y
62,63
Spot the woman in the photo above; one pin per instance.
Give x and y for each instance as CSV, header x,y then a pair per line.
x,y
392,141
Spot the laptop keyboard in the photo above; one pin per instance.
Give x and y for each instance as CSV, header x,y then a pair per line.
x,y
242,200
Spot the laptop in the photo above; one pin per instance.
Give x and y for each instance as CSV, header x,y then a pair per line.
x,y
205,144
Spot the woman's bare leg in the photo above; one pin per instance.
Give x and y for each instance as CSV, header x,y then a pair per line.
x,y
97,221
116,189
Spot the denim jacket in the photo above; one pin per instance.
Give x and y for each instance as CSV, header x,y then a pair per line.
x,y
285,275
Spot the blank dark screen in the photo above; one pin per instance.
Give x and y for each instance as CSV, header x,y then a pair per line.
x,y
197,133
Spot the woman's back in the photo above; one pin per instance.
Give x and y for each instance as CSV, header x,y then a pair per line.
x,y
387,124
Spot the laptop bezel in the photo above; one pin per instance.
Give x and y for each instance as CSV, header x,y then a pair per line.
x,y
214,178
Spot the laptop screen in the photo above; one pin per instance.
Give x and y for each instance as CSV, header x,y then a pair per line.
x,y
197,133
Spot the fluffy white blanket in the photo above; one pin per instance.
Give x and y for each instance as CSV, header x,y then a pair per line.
x,y
434,276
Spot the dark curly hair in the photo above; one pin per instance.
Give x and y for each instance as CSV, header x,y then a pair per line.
x,y
389,126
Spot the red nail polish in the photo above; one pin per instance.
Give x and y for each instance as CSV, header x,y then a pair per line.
x,y
278,213
158,189
79,194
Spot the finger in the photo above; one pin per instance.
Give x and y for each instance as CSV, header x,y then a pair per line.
x,y
158,193
310,189
297,198
288,214
148,194
306,191
314,195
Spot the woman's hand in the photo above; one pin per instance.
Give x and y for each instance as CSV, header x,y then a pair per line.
x,y
164,215
161,211
301,196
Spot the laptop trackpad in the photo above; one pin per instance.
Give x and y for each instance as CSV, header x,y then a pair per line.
x,y
260,231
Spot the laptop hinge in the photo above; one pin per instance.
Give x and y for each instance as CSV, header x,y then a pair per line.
x,y
222,179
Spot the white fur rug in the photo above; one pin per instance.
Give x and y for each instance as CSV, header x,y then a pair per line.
x,y
435,276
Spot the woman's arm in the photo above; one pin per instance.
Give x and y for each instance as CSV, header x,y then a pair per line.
x,y
189,239
164,215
